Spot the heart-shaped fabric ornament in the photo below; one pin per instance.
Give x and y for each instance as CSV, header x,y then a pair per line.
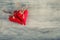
x,y
19,17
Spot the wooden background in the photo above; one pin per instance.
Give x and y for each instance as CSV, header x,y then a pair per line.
x,y
43,21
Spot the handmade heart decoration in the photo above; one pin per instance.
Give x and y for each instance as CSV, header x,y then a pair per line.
x,y
19,17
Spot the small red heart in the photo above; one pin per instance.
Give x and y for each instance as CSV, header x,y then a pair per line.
x,y
18,17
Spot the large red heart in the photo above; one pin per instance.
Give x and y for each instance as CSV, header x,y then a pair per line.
x,y
18,17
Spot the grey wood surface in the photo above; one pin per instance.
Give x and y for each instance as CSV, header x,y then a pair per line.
x,y
43,21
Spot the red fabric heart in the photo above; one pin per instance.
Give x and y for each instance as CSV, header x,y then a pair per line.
x,y
18,17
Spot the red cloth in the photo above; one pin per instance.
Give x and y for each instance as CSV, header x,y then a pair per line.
x,y
18,17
